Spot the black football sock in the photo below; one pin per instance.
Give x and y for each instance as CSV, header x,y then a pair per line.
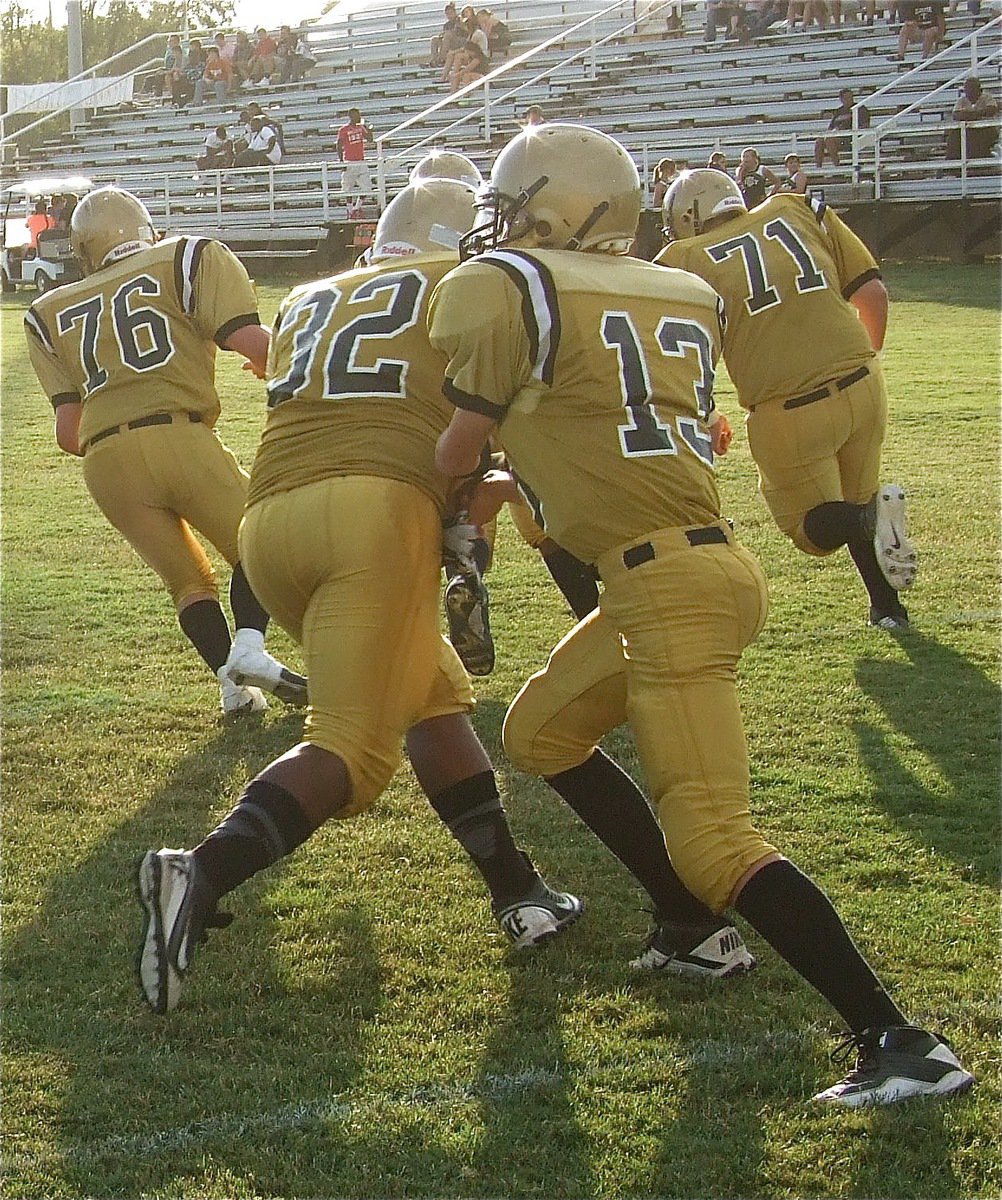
x,y
264,825
800,923
204,624
481,554
472,812
247,610
883,598
575,579
832,524
615,810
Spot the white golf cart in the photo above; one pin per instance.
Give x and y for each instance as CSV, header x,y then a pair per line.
x,y
50,262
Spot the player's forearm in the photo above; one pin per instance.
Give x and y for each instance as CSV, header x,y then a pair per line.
x,y
252,341
68,428
871,303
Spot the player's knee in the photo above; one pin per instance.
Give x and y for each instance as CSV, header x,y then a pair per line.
x,y
191,591
535,742
370,767
711,858
803,543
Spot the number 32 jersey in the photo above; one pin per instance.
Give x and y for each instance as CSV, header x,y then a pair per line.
x,y
600,372
785,271
139,336
353,386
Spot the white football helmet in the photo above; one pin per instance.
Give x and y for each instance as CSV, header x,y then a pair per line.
x,y
695,198
447,164
427,217
565,187
109,223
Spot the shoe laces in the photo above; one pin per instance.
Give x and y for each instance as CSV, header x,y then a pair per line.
x,y
861,1047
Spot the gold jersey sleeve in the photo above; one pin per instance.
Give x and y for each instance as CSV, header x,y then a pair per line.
x,y
139,336
785,272
354,388
600,372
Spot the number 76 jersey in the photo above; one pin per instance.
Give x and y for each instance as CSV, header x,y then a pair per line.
x,y
139,336
599,370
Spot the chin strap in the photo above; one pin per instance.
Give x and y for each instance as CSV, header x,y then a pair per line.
x,y
598,211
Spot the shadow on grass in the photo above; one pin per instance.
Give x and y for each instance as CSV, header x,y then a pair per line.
x,y
949,709
233,1064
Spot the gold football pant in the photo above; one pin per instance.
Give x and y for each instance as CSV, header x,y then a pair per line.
x,y
828,450
661,652
158,483
350,567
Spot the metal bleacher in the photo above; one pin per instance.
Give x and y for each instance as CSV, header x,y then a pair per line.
x,y
660,89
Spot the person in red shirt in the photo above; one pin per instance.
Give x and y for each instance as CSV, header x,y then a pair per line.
x,y
37,222
351,139
263,62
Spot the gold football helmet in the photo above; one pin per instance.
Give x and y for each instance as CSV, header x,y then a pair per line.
x,y
109,223
447,164
427,217
695,198
566,187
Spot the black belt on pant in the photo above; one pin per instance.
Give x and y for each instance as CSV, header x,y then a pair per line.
x,y
707,535
826,389
142,422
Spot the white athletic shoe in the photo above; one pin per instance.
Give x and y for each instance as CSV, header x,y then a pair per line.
x,y
539,915
896,555
709,953
235,700
250,666
896,1064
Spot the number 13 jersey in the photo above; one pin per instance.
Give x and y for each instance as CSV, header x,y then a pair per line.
x,y
599,371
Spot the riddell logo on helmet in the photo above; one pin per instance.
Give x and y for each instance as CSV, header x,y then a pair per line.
x,y
397,249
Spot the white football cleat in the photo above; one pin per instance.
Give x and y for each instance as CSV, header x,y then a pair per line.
x,y
896,555
249,665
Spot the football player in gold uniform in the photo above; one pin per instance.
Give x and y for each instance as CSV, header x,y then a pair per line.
x,y
598,374
127,358
806,314
342,539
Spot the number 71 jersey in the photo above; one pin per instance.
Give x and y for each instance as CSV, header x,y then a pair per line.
x,y
784,271
599,371
138,336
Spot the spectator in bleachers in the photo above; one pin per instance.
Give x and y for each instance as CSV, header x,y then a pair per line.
x,y
452,37
533,115
808,11
292,57
262,65
923,22
974,104
351,142
262,147
255,110
194,68
38,222
729,13
665,174
498,33
796,176
176,82
472,62
829,145
243,59
217,151
755,181
218,75
760,15
303,58
717,161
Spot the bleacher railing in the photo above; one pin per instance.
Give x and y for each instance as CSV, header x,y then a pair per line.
x,y
976,62
587,29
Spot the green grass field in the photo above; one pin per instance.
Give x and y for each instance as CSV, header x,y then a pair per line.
x,y
362,1030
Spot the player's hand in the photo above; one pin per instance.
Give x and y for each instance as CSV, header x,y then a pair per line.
x,y
258,371
489,495
721,434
